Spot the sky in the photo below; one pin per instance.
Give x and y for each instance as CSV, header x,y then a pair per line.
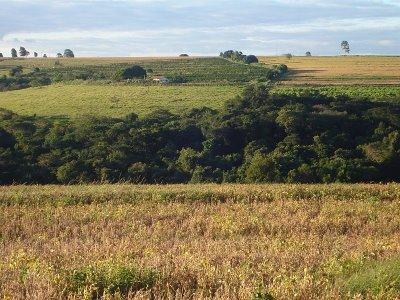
x,y
200,27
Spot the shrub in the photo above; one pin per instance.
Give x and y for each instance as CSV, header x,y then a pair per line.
x,y
40,81
250,59
262,294
111,279
177,79
16,71
131,73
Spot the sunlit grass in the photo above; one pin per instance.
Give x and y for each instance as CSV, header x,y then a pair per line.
x,y
113,100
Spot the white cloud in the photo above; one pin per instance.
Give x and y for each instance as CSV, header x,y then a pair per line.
x,y
385,42
344,25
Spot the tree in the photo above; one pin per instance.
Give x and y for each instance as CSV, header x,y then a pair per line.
x,y
68,53
35,54
251,59
345,47
1,54
308,53
14,53
45,55
59,55
184,55
23,52
131,72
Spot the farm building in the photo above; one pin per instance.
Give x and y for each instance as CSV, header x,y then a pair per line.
x,y
161,79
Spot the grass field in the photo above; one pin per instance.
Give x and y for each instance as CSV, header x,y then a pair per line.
x,y
200,241
113,100
118,100
320,70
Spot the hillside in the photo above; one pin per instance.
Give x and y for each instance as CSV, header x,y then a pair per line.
x,y
210,70
211,81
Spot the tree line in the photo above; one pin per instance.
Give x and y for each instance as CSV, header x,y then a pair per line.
x,y
68,53
257,137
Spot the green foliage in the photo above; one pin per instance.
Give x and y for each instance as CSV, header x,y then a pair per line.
x,y
345,47
370,93
23,52
177,79
376,278
111,279
251,59
16,71
215,71
131,73
258,137
68,53
262,294
14,53
239,57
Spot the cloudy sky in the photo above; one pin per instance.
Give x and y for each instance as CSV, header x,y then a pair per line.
x,y
199,27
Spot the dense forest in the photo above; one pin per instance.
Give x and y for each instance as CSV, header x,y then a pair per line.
x,y
258,137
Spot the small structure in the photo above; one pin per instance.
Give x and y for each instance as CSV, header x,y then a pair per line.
x,y
161,79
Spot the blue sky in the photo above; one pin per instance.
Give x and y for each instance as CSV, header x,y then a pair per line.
x,y
161,27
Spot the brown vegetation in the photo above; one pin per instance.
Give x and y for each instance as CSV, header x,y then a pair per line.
x,y
198,241
339,70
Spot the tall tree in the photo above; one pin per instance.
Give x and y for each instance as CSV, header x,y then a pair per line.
x,y
23,52
308,53
35,54
68,53
345,47
1,54
14,53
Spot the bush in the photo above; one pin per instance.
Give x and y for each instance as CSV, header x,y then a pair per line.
x,y
177,79
111,279
16,71
250,59
131,73
40,81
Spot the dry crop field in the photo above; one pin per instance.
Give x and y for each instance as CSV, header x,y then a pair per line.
x,y
340,70
200,241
